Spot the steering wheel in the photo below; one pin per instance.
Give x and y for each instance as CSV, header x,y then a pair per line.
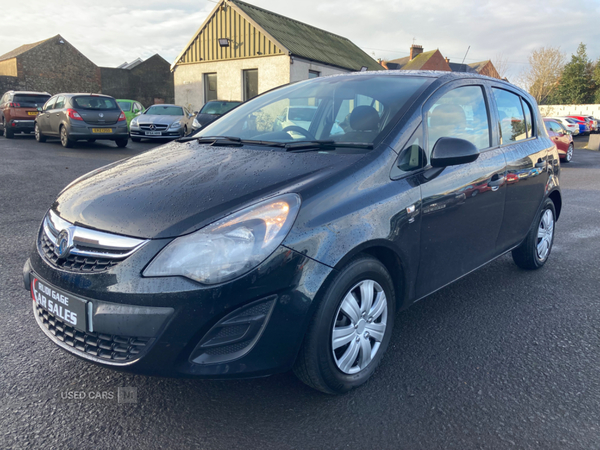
x,y
300,130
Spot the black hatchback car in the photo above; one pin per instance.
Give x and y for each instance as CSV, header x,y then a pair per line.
x,y
251,250
78,117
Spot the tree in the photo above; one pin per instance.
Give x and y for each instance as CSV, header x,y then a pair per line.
x,y
501,64
542,76
596,77
577,84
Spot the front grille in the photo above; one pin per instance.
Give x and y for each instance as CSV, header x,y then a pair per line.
x,y
74,262
157,127
118,349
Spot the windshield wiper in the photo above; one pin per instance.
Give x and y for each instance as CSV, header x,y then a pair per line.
x,y
324,145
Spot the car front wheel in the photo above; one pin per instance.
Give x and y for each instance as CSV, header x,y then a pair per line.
x,y
350,330
569,155
535,250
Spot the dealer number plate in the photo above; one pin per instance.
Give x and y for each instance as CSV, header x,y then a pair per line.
x,y
62,305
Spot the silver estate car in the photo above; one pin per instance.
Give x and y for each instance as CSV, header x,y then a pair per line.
x,y
161,122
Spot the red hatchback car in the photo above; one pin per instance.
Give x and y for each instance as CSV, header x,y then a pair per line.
x,y
561,138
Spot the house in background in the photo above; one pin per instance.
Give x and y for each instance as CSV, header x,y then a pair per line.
x,y
434,60
54,66
419,60
241,51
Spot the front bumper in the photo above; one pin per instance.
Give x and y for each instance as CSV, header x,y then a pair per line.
x,y
252,326
165,134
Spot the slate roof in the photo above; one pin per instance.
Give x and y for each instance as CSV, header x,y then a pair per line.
x,y
22,49
306,41
458,67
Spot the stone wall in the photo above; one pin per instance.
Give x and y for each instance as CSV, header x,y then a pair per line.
x,y
10,84
149,82
57,67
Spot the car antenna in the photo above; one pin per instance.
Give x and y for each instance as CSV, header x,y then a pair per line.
x,y
463,61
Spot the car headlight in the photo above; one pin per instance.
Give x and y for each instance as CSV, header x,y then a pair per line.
x,y
231,246
175,124
133,123
196,124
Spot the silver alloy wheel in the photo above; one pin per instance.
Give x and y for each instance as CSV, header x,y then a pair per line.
x,y
37,132
545,235
63,136
359,326
570,153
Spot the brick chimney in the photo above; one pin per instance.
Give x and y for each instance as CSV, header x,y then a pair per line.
x,y
447,60
415,50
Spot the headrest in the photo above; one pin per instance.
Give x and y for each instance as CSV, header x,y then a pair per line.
x,y
448,115
364,118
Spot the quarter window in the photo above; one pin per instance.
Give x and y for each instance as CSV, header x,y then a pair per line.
x,y
461,113
412,156
528,118
511,117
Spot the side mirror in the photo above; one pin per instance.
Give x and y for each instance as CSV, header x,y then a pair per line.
x,y
449,151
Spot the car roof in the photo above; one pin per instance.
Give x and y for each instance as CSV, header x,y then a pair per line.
x,y
27,93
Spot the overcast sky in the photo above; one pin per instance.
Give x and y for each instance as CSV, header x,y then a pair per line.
x,y
110,32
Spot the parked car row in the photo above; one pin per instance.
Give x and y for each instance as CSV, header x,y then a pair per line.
x,y
90,117
562,138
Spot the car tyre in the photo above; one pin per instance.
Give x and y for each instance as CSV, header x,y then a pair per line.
x,y
8,134
535,250
64,138
569,156
338,370
38,133
135,139
121,143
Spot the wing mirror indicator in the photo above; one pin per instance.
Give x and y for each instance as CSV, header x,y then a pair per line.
x,y
449,151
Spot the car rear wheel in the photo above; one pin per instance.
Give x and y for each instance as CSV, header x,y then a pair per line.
x,y
535,250
8,134
569,155
64,138
350,330
121,143
38,134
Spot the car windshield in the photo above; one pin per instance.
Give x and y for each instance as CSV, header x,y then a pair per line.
x,y
26,100
94,102
341,108
218,108
125,106
164,110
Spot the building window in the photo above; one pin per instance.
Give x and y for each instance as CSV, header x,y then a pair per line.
x,y
210,87
250,83
313,74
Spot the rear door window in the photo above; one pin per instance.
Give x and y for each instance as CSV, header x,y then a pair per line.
x,y
511,117
50,104
460,113
60,103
